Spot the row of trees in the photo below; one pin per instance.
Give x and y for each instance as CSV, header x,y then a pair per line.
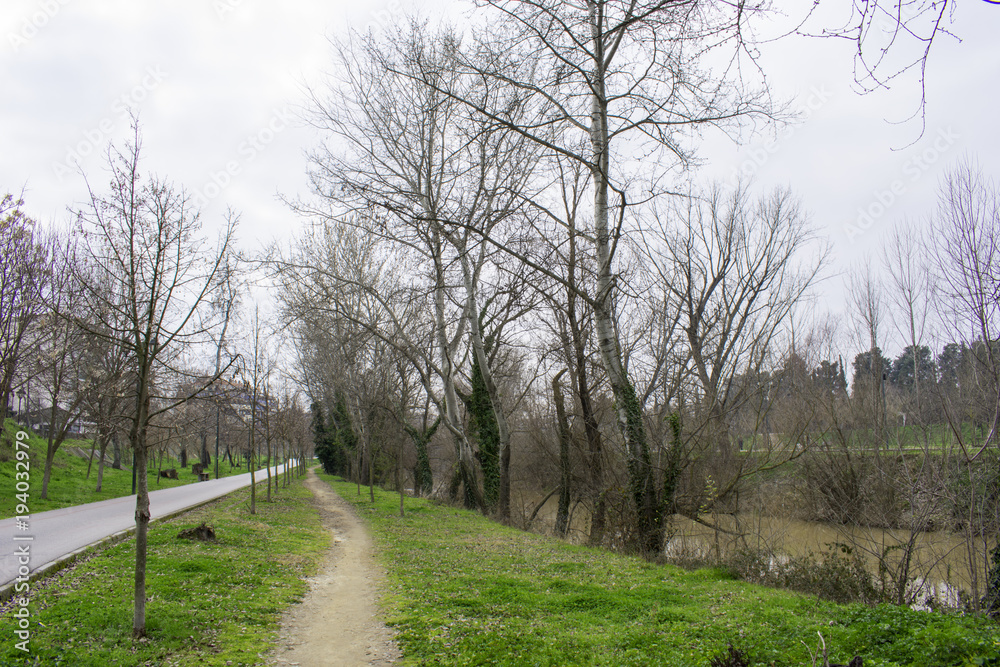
x,y
497,265
454,253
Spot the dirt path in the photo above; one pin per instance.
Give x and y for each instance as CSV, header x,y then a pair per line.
x,y
338,621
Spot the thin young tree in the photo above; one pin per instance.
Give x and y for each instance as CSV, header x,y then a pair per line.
x,y
965,248
912,298
153,276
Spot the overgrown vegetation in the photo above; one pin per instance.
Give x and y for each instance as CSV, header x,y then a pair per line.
x,y
210,603
466,591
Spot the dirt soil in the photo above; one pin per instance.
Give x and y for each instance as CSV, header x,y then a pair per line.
x,y
338,622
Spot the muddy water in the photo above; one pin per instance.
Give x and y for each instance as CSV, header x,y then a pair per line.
x,y
942,564
941,560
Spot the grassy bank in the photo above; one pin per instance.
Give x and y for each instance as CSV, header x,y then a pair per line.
x,y
69,484
209,603
465,591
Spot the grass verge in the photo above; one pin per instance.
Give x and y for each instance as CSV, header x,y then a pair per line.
x,y
209,603
69,484
463,590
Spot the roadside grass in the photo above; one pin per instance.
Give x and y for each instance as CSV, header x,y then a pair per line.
x,y
463,590
209,603
69,484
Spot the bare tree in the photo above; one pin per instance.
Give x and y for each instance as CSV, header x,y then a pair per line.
x,y
256,371
224,303
61,355
911,297
24,270
153,276
965,245
966,249
733,271
611,72
866,297
432,181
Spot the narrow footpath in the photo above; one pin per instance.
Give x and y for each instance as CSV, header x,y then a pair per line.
x,y
338,622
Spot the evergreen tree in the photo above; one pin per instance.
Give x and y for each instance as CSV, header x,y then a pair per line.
x,y
321,440
829,378
870,371
343,440
909,366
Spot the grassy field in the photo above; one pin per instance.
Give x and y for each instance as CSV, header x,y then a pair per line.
x,y
209,603
465,591
69,484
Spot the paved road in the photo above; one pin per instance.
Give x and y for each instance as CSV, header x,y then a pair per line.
x,y
54,534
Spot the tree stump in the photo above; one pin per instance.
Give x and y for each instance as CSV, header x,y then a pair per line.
x,y
202,532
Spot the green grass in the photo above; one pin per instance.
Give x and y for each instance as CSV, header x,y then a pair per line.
x,y
209,604
69,484
466,591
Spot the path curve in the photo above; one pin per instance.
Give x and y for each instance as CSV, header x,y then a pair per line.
x,y
338,622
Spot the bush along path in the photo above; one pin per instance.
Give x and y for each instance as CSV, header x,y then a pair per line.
x,y
338,622
462,590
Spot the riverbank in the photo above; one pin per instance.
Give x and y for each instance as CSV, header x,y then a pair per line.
x,y
465,591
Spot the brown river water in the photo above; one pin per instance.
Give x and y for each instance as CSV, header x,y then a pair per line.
x,y
943,562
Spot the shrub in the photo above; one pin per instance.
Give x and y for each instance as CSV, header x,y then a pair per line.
x,y
838,575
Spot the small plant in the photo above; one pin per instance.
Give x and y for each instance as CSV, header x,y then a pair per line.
x,y
821,652
732,657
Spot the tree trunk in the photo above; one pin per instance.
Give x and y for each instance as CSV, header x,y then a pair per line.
x,y
453,420
267,441
399,479
479,347
116,463
50,451
582,390
100,465
250,455
90,459
562,515
206,456
138,440
627,407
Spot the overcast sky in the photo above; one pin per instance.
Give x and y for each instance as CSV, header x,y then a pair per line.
x,y
217,84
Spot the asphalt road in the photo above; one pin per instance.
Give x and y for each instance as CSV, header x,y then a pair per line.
x,y
55,534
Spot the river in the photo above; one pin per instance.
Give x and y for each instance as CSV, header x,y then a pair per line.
x,y
942,562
